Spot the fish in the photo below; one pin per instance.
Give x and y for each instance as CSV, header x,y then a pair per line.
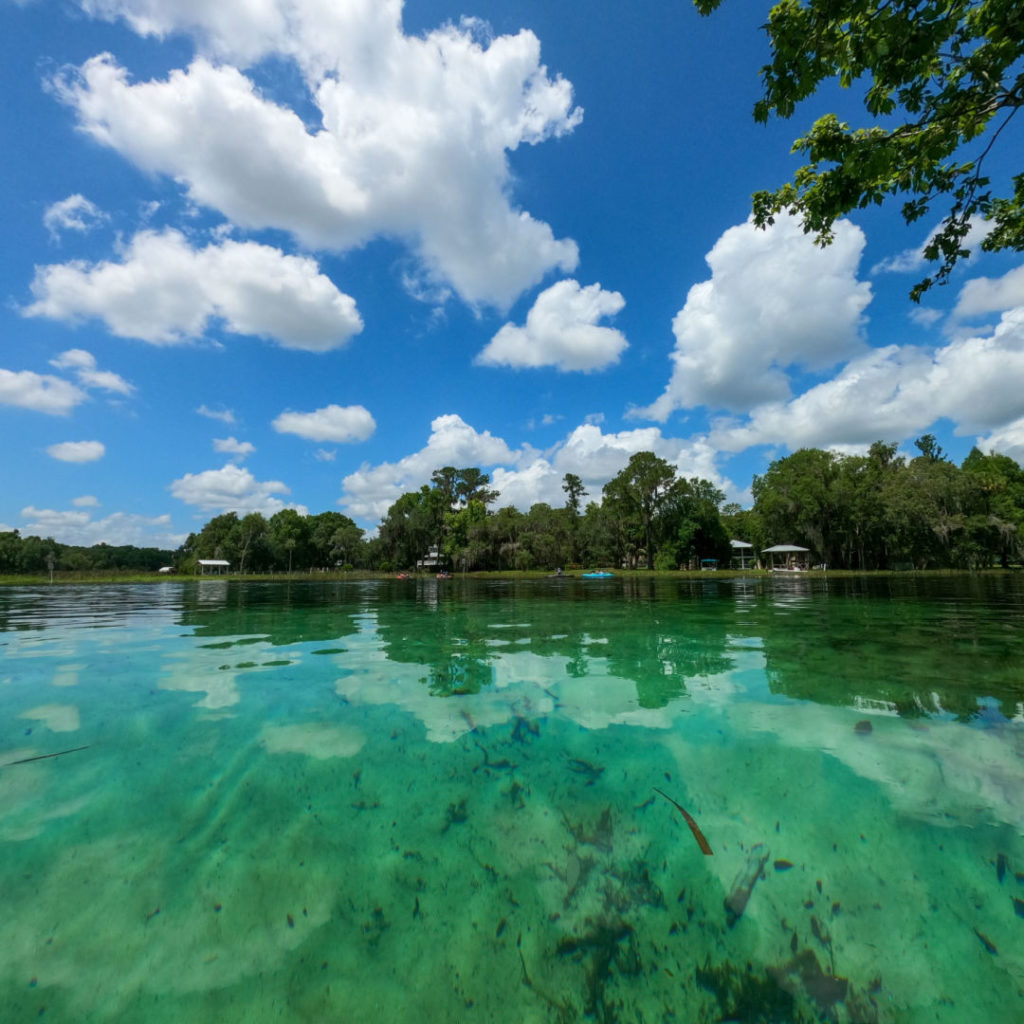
x,y
705,847
43,757
990,946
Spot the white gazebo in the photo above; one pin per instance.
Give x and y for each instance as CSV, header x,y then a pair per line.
x,y
213,565
742,554
794,557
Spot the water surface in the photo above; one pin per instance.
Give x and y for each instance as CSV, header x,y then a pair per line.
x,y
437,801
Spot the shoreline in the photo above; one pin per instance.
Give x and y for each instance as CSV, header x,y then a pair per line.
x,y
93,579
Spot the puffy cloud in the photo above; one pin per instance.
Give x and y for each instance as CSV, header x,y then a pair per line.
x,y
895,392
524,476
984,295
77,451
86,501
341,424
562,331
163,291
910,260
411,140
775,300
72,527
231,489
232,446
1007,440
371,490
39,392
325,455
75,213
83,365
224,415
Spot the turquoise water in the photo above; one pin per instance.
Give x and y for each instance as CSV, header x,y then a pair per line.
x,y
438,801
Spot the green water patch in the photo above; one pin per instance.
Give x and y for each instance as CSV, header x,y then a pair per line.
x,y
422,824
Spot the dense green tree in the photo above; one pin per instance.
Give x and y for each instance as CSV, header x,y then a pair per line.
x,y
248,536
446,480
219,538
335,540
505,528
696,524
548,536
997,489
412,525
466,543
10,549
288,538
601,542
941,78
637,496
796,501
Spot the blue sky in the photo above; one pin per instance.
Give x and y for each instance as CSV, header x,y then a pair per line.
x,y
303,253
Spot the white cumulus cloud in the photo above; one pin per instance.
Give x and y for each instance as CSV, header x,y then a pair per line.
x,y
774,301
83,365
340,424
1007,440
895,392
39,392
77,451
524,476
562,330
231,489
411,139
232,446
75,213
371,490
983,295
224,415
74,527
165,292
86,501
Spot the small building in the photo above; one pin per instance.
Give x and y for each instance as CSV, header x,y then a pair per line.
x,y
742,554
791,556
431,560
213,566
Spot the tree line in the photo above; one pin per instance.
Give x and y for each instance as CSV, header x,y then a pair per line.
x,y
880,510
873,511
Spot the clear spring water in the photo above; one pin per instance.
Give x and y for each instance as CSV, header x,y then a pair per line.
x,y
436,801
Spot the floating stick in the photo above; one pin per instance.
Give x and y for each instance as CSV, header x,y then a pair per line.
x,y
694,827
43,757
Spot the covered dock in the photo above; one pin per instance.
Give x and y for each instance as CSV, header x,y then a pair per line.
x,y
792,557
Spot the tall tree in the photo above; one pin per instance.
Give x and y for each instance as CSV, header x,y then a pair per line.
x,y
795,502
335,539
574,492
638,493
940,76
446,480
288,538
471,485
412,525
248,534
